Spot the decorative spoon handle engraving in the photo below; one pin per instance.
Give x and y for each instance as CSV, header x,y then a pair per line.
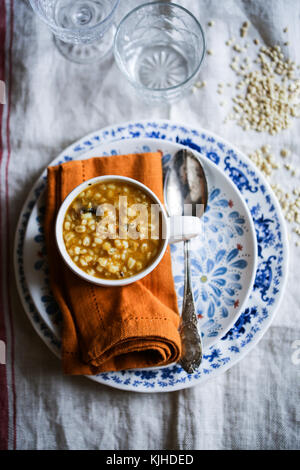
x,y
191,355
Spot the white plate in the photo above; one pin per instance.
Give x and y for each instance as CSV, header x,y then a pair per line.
x,y
223,269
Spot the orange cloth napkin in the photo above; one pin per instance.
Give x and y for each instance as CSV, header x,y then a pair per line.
x,y
112,328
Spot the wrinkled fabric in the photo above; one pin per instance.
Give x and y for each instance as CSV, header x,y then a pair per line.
x,y
255,404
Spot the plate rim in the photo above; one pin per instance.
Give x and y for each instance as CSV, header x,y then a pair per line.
x,y
199,129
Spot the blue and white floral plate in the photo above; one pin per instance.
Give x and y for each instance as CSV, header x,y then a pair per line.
x,y
223,262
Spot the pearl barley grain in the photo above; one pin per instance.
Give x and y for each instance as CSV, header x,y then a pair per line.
x,y
284,153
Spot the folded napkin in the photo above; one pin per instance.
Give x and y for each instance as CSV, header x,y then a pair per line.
x,y
112,328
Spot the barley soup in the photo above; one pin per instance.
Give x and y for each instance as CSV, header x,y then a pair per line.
x,y
112,230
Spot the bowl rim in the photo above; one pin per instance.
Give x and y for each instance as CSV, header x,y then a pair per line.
x,y
62,247
120,62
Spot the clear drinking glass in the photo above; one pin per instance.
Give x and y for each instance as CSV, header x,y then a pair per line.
x,y
83,29
159,47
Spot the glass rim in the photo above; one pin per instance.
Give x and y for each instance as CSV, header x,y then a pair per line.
x,y
59,29
119,62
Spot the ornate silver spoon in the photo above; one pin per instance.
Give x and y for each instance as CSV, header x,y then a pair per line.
x,y
185,192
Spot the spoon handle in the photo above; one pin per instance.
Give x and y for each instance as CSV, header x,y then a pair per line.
x,y
190,339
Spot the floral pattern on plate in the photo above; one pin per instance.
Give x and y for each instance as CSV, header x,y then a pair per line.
x,y
217,266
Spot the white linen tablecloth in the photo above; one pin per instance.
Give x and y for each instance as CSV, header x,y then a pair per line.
x,y
50,103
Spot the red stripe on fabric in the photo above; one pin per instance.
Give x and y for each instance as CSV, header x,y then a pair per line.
x,y
3,377
8,283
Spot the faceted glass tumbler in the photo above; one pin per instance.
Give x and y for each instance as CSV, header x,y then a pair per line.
x,y
159,47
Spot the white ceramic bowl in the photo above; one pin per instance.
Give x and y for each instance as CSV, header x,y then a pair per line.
x,y
61,244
